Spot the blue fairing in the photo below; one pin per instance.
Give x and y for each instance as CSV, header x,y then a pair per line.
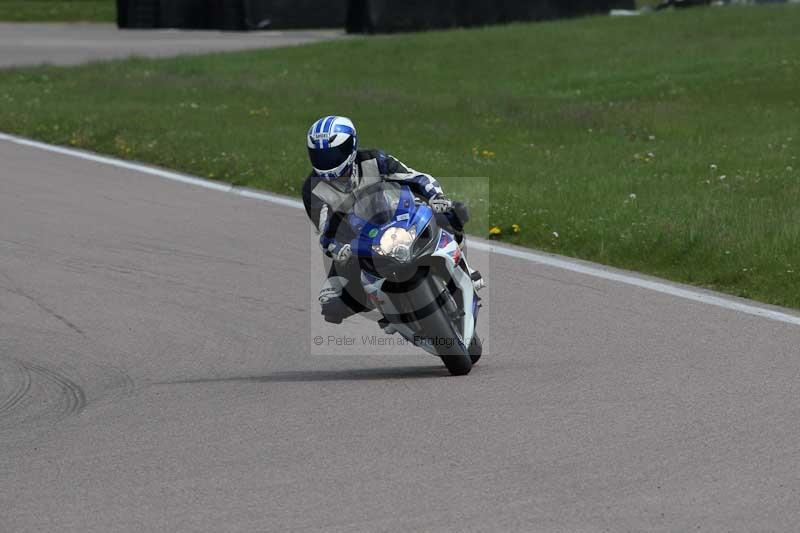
x,y
407,215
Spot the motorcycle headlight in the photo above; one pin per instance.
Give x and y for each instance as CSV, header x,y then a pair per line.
x,y
396,243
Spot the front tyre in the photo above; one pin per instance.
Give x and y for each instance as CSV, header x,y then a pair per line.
x,y
454,356
439,329
458,365
475,348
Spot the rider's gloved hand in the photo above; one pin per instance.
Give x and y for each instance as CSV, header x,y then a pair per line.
x,y
440,203
340,253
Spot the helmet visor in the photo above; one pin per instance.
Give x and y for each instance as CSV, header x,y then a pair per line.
x,y
330,158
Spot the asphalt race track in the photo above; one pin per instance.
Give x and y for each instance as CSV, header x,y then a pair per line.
x,y
158,373
71,44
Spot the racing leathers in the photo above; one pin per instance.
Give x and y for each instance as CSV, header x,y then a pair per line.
x,y
328,207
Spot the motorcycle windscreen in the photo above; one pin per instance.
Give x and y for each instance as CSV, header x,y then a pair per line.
x,y
377,204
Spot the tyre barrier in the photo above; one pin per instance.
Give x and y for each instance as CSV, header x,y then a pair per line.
x,y
388,16
231,15
359,16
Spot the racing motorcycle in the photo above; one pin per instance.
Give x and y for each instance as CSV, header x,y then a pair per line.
x,y
414,273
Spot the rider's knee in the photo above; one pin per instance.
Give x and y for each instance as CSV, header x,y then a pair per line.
x,y
336,310
336,300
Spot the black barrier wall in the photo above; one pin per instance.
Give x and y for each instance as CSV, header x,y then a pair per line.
x,y
386,16
237,15
360,16
293,14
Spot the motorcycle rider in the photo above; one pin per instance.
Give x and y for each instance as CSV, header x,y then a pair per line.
x,y
338,169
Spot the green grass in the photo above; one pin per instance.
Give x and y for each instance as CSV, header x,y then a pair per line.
x,y
666,143
58,10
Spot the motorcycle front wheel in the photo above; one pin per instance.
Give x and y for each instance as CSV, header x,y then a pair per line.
x,y
439,329
475,348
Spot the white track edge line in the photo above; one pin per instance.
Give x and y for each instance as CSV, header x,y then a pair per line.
x,y
553,261
656,286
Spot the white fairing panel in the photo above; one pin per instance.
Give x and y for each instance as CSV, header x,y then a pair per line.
x,y
450,252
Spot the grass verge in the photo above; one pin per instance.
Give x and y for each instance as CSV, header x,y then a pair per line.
x,y
665,143
58,11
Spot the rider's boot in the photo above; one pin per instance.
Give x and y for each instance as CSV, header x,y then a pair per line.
x,y
477,279
387,326
336,301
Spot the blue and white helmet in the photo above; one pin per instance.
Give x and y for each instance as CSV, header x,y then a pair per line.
x,y
332,147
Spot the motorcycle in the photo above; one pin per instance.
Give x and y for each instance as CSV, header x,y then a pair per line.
x,y
414,273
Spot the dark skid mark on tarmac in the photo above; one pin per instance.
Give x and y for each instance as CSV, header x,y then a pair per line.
x,y
361,374
40,305
115,385
20,379
37,392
